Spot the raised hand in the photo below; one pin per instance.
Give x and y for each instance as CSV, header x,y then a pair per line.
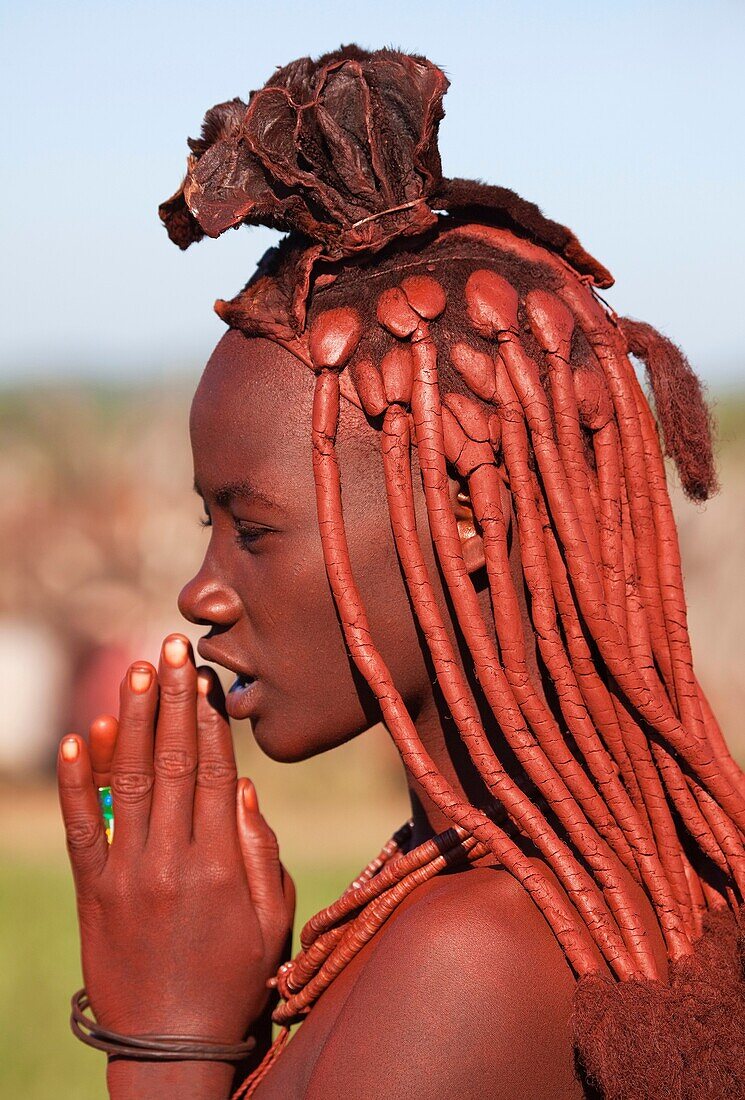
x,y
185,917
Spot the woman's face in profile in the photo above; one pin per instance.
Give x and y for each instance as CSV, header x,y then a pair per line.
x,y
262,590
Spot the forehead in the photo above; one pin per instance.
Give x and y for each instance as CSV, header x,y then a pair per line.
x,y
251,380
252,415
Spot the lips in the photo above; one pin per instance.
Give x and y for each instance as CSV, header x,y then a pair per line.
x,y
211,652
239,702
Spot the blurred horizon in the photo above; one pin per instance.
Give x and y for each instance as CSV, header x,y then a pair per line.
x,y
619,121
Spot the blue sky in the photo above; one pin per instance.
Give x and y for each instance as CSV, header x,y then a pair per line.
x,y
622,120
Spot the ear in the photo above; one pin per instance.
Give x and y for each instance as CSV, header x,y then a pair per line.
x,y
471,542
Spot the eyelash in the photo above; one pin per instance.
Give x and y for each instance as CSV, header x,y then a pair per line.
x,y
245,536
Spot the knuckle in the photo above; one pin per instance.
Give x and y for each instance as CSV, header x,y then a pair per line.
x,y
214,772
161,883
219,876
131,787
137,718
177,694
82,833
266,846
174,763
69,784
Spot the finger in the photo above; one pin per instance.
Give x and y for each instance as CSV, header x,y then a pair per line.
x,y
175,755
81,814
101,744
261,860
214,797
132,765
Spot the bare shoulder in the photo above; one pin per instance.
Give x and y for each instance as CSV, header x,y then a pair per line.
x,y
467,992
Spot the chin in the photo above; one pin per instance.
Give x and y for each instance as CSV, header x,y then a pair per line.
x,y
284,745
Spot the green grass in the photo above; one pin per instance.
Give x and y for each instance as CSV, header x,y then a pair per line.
x,y
40,969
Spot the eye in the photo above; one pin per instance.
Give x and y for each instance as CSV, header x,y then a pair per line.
x,y
248,534
205,521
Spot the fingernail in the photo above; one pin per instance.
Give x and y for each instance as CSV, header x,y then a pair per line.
x,y
70,749
175,651
250,801
204,682
140,679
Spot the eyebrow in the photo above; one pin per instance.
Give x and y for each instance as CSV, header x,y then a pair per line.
x,y
224,495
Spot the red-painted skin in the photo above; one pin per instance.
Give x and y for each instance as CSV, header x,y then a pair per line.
x,y
465,991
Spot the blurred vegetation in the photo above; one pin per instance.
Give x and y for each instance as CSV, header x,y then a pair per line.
x,y
729,416
95,484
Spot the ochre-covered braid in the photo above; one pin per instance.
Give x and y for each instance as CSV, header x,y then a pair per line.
x,y
331,341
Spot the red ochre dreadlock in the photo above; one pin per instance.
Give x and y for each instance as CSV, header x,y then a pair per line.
x,y
476,337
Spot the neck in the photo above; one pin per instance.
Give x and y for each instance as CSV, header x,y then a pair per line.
x,y
442,742
439,734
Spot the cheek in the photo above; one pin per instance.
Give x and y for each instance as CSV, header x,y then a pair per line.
x,y
318,698
383,591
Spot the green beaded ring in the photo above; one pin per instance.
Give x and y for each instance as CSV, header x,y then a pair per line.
x,y
106,801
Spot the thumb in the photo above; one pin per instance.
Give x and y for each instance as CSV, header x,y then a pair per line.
x,y
261,859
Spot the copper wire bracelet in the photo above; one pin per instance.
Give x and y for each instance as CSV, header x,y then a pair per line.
x,y
157,1048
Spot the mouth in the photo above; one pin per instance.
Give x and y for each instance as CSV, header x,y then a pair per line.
x,y
239,702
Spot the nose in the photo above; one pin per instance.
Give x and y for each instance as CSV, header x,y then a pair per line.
x,y
208,601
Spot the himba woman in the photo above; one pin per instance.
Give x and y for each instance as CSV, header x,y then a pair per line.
x,y
437,499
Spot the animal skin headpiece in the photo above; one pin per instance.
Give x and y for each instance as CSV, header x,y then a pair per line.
x,y
473,332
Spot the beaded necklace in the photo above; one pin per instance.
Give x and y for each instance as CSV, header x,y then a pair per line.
x,y
332,938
